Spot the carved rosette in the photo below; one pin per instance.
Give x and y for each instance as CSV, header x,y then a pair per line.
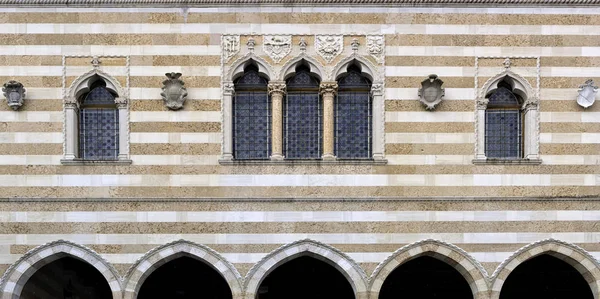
x,y
14,94
173,91
328,88
587,94
277,46
278,88
230,45
329,46
376,47
431,91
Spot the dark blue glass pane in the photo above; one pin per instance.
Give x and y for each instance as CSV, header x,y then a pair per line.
x,y
302,79
503,134
98,134
353,125
503,97
354,79
251,78
99,96
302,126
251,125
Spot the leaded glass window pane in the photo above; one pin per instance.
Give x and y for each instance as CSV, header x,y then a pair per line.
x,y
99,126
303,117
251,118
353,118
503,134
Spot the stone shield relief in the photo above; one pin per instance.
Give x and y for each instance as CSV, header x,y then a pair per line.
x,y
431,92
277,46
173,91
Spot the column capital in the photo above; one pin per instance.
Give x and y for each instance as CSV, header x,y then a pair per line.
x,y
121,102
277,87
71,104
228,88
328,87
377,89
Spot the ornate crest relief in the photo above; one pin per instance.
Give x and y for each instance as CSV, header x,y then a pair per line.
x,y
431,91
174,93
230,45
14,94
587,94
277,46
329,46
376,47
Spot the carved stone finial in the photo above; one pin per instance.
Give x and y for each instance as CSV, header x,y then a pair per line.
x,y
96,62
355,44
174,93
303,44
277,46
431,91
329,46
14,94
507,63
251,43
587,94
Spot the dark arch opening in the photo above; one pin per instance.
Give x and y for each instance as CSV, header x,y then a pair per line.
x,y
305,277
66,278
425,277
185,278
546,277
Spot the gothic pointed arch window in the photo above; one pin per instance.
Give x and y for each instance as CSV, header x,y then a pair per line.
x,y
504,124
98,124
353,112
251,116
303,116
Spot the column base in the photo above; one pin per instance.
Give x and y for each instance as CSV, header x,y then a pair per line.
x,y
226,157
277,157
328,157
378,157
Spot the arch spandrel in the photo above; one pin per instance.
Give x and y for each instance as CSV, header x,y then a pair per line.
x,y
574,255
343,263
83,84
153,259
17,275
289,68
465,264
236,69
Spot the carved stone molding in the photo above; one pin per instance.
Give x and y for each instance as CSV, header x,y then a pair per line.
x,y
587,94
277,46
14,94
431,91
376,47
329,46
173,91
230,45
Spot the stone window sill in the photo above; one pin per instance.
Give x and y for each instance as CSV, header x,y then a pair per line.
x,y
304,162
79,162
507,162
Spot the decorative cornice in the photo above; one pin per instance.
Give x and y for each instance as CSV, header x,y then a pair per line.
x,y
204,3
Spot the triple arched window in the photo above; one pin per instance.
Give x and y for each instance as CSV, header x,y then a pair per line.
x,y
302,115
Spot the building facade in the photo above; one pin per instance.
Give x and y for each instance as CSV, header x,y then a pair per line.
x,y
315,149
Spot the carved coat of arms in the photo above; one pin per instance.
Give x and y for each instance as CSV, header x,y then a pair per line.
x,y
14,94
329,46
230,45
174,93
277,46
587,94
376,47
431,91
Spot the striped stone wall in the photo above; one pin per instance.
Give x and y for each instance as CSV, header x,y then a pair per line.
x,y
176,188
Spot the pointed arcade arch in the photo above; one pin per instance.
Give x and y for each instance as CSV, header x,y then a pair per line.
x,y
137,274
574,255
472,271
17,275
289,68
366,68
343,263
237,68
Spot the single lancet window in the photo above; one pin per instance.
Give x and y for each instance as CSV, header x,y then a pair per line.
x,y
353,112
251,117
303,117
98,124
503,124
